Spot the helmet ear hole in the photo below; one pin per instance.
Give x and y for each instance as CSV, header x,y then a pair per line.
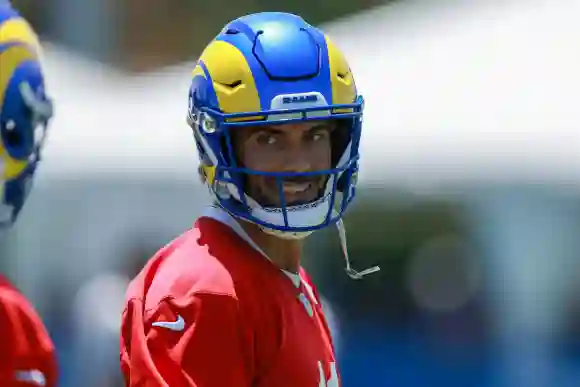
x,y
18,139
11,137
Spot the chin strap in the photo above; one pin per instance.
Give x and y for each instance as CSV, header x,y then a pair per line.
x,y
352,273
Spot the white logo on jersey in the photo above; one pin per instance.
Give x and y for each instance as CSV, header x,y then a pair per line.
x,y
177,325
35,377
333,381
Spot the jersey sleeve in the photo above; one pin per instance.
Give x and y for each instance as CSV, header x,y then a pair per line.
x,y
27,355
200,344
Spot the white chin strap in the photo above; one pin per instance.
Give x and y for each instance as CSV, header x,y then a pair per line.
x,y
303,215
311,214
352,273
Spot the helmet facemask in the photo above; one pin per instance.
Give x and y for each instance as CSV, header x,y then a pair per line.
x,y
228,177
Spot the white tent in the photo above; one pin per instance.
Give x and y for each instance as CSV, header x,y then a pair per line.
x,y
109,123
456,90
467,90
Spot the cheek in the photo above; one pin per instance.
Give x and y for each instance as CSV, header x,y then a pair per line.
x,y
253,184
320,155
260,159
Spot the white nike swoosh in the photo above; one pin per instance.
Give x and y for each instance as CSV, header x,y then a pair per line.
x,y
177,325
35,377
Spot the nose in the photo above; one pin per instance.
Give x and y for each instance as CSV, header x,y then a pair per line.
x,y
297,159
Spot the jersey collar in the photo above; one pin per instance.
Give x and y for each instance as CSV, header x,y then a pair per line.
x,y
222,216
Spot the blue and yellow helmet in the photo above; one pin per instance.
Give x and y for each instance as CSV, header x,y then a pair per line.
x,y
270,68
24,111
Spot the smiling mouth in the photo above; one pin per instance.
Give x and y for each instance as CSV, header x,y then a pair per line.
x,y
294,191
291,188
300,193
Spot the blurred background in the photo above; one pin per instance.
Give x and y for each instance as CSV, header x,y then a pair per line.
x,y
469,190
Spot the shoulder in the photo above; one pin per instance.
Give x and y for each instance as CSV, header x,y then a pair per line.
x,y
207,259
20,325
15,309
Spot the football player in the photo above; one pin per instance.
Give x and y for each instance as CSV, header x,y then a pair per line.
x,y
26,352
277,121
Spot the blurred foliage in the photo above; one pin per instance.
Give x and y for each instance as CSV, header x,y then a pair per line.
x,y
33,11
180,29
154,33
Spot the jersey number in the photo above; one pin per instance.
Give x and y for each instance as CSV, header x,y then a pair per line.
x,y
333,381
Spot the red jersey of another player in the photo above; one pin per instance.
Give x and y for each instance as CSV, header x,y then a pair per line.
x,y
210,310
26,351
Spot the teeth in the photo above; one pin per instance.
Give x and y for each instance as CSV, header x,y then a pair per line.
x,y
294,188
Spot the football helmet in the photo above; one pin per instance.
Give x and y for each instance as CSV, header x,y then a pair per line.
x,y
274,68
25,111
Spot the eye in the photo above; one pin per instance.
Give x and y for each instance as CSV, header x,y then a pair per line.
x,y
266,139
318,135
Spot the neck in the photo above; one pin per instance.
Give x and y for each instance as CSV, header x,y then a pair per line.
x,y
283,253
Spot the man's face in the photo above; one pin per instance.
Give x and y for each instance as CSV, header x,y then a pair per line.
x,y
294,147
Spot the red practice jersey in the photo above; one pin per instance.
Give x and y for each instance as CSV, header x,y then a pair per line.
x,y
27,355
210,310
